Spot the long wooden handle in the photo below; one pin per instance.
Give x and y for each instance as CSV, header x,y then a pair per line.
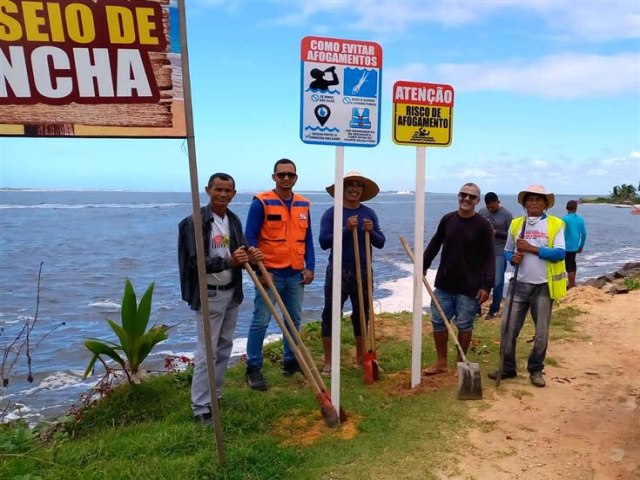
x,y
285,331
436,303
356,251
372,322
292,327
507,319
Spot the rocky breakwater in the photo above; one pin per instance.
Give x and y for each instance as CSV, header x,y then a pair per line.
x,y
621,281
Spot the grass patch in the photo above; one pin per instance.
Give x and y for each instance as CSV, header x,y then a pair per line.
x,y
146,430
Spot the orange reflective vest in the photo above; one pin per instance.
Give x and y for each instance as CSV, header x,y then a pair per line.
x,y
283,233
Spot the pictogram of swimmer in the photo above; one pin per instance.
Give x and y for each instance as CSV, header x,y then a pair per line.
x,y
319,82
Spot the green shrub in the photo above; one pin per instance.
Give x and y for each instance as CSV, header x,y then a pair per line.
x,y
135,342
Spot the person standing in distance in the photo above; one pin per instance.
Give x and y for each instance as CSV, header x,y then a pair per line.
x,y
466,272
536,244
355,216
500,219
225,253
279,224
575,236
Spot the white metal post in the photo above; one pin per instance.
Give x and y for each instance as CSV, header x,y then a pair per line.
x,y
418,235
336,278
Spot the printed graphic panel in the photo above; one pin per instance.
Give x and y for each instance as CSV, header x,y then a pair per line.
x,y
340,92
422,114
107,68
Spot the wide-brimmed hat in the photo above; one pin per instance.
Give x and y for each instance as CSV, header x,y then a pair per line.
x,y
538,190
369,188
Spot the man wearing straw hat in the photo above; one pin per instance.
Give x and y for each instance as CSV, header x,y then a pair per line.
x,y
355,216
536,246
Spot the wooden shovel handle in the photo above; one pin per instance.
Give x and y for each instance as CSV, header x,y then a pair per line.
x,y
437,304
285,331
372,324
307,358
356,250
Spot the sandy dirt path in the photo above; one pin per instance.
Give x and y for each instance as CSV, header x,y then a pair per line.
x,y
585,424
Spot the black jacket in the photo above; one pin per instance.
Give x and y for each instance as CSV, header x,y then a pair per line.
x,y
187,258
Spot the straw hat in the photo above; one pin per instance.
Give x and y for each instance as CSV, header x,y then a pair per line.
x,y
538,190
369,189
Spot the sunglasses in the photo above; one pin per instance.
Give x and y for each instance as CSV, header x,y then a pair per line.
x,y
282,175
463,195
354,184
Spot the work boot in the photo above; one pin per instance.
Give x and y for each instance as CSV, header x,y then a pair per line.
x,y
204,419
255,379
290,368
494,375
537,379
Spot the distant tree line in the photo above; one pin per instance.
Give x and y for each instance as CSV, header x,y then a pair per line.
x,y
625,193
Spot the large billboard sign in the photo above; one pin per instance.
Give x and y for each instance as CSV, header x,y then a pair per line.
x,y
422,114
340,92
91,68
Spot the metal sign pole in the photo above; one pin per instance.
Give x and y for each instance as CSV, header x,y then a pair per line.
x,y
336,292
418,234
197,221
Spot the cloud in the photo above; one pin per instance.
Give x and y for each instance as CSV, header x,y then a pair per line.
x,y
635,154
475,173
540,163
561,76
588,20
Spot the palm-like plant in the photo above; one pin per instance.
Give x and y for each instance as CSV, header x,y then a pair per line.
x,y
135,341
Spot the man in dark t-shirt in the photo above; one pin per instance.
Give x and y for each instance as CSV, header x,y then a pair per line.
x,y
466,272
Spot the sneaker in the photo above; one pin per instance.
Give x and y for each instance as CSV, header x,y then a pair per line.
x,y
490,315
204,419
494,375
290,368
256,380
537,379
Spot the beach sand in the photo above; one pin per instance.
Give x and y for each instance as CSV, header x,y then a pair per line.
x,y
585,424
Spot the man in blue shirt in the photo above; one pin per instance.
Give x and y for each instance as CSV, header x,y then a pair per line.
x,y
355,217
575,235
279,224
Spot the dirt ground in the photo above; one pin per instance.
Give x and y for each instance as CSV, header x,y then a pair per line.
x,y
585,424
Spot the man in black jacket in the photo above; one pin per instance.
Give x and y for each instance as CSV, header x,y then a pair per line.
x,y
226,252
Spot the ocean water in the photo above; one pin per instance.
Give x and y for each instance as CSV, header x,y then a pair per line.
x,y
90,242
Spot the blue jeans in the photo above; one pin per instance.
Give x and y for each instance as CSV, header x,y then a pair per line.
x,y
459,309
498,288
534,297
292,291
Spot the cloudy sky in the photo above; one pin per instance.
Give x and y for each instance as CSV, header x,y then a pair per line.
x,y
546,92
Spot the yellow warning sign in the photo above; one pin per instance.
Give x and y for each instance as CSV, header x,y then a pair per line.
x,y
422,114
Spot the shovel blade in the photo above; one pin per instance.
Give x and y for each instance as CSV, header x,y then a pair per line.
x,y
367,369
375,366
469,381
328,411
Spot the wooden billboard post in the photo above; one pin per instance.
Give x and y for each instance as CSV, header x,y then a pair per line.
x,y
197,221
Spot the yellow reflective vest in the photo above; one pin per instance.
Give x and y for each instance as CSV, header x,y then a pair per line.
x,y
556,271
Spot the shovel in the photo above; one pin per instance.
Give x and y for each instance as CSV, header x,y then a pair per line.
x,y
367,364
507,320
327,410
371,356
469,378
